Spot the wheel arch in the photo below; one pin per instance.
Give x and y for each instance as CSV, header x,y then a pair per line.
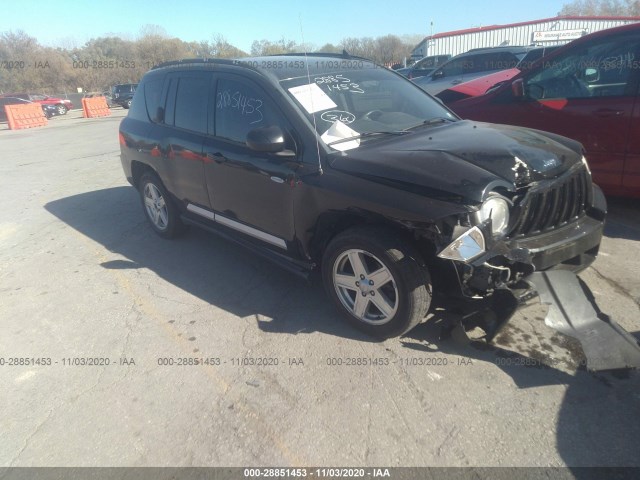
x,y
138,169
331,224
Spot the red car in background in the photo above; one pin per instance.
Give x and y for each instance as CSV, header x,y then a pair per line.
x,y
588,91
474,88
62,104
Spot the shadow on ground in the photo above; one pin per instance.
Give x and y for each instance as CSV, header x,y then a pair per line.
x,y
598,419
623,218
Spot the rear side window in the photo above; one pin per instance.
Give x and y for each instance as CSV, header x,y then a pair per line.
x,y
457,66
153,98
191,103
138,110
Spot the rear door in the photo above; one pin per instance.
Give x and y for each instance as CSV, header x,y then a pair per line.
x,y
179,138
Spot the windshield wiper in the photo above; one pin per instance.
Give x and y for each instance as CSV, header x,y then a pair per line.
x,y
434,121
369,134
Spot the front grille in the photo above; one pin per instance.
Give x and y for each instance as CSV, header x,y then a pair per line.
x,y
554,206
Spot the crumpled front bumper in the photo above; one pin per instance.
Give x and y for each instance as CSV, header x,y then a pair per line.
x,y
606,345
545,265
572,311
505,262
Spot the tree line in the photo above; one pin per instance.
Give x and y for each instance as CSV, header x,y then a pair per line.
x,y
617,8
27,66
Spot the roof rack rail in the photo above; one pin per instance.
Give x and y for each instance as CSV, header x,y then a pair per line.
x,y
239,61
344,54
187,61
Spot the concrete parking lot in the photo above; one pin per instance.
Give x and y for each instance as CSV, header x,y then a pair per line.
x,y
114,319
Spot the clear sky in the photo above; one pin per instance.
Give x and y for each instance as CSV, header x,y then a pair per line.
x,y
72,23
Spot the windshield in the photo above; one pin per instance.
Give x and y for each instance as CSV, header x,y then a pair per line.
x,y
358,102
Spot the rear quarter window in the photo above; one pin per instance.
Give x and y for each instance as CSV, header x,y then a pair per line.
x,y
153,98
138,111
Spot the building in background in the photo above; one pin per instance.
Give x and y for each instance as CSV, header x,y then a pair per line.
x,y
548,31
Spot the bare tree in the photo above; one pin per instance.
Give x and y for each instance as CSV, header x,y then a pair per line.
x,y
267,47
221,48
601,7
112,59
329,48
390,49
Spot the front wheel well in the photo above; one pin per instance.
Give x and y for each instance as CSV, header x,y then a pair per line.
x,y
331,225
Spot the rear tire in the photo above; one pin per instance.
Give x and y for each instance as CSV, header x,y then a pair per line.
x,y
159,208
62,110
377,281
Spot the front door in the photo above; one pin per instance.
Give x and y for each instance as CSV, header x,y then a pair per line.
x,y
251,192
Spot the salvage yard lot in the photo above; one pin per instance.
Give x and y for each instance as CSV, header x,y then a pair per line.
x,y
280,379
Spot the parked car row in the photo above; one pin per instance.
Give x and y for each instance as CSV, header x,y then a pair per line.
x,y
61,105
586,90
48,109
472,64
118,95
439,72
485,83
424,66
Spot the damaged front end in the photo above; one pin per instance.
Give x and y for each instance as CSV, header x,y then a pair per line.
x,y
555,223
499,250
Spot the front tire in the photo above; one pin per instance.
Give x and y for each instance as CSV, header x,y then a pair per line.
x,y
127,104
62,110
159,207
377,281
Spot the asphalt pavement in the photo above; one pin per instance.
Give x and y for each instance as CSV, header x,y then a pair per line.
x,y
131,350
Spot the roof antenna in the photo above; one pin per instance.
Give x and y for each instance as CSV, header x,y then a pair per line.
x,y
313,115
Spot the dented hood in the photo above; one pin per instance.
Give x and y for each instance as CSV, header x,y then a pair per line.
x,y
464,158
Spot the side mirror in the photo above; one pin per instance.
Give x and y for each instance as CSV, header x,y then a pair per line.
x,y
268,140
438,74
517,88
591,75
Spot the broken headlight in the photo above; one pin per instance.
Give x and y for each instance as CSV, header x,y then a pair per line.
x,y
495,208
466,247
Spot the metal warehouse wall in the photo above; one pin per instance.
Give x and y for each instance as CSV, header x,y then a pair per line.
x,y
518,34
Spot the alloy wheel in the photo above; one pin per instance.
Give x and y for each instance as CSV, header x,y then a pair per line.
x,y
156,206
365,286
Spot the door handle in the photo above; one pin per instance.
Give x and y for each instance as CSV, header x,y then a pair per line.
x,y
277,179
456,82
608,112
216,157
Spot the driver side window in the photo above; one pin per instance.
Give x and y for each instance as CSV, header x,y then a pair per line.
x,y
601,69
241,107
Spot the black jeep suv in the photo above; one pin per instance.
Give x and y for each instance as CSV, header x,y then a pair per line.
x,y
123,93
336,164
